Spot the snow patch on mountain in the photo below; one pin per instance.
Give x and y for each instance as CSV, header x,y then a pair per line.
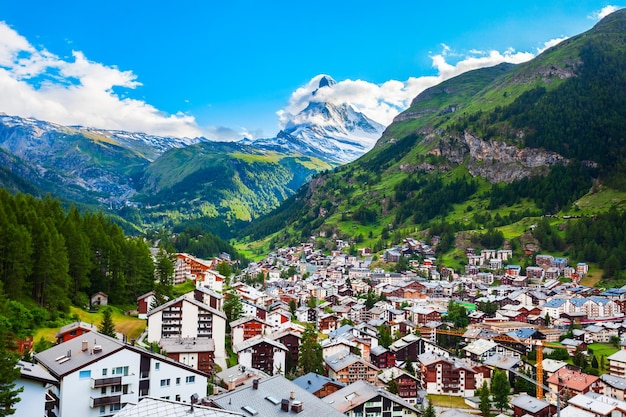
x,y
337,133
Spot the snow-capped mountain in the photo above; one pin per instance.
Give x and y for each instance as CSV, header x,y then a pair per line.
x,y
335,133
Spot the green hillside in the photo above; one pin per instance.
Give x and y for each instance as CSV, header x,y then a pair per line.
x,y
479,158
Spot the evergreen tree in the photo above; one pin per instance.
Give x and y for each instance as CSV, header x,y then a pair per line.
x,y
233,308
392,386
408,366
430,411
500,389
310,358
547,320
106,325
485,403
384,336
164,274
594,362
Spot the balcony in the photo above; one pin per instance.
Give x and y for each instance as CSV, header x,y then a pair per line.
x,y
106,382
112,399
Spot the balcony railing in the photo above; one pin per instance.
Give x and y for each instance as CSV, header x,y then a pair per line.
x,y
112,399
106,382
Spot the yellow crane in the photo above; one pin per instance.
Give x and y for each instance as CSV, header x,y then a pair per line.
x,y
538,344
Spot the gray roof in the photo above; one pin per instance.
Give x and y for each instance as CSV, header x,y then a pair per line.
x,y
255,341
155,407
359,393
266,400
77,325
341,360
35,372
502,362
182,345
57,361
614,381
313,382
528,403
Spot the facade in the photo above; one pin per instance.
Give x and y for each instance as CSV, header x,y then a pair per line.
x,y
262,353
363,399
246,328
35,382
348,368
408,385
187,318
525,405
617,363
448,376
99,375
72,330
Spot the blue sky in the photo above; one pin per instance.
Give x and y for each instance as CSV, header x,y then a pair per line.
x,y
226,70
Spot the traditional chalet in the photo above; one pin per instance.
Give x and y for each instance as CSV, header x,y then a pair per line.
x,y
408,385
318,385
262,353
246,328
348,368
448,376
363,399
72,330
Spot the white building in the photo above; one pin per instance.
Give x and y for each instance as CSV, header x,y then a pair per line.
x,y
185,317
99,375
35,381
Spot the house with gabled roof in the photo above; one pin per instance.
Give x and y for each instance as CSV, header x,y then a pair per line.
x,y
186,317
273,397
98,375
318,385
408,385
262,353
246,328
362,398
348,368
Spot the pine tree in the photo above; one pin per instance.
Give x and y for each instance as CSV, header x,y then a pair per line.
x,y
106,325
408,366
500,389
233,308
485,403
310,358
164,274
430,411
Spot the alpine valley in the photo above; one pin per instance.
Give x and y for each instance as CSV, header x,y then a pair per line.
x,y
508,155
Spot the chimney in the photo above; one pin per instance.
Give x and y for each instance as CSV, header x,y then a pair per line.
x,y
85,346
292,395
255,383
297,406
284,404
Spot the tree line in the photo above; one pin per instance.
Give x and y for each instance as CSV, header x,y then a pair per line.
x,y
56,258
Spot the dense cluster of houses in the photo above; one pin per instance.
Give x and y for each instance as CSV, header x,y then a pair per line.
x,y
351,304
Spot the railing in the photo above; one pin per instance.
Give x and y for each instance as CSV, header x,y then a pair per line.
x,y
112,399
105,382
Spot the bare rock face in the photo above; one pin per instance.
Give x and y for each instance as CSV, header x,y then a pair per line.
x,y
496,161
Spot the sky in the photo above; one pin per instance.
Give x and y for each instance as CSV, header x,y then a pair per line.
x,y
244,68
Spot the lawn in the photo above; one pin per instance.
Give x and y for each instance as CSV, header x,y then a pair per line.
x,y
447,401
600,349
127,325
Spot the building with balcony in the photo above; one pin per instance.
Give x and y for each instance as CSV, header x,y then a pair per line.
x,y
98,375
187,318
448,376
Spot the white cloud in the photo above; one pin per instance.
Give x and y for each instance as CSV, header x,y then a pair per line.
x,y
77,91
604,12
382,102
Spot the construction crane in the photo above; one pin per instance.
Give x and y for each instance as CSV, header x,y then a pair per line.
x,y
538,344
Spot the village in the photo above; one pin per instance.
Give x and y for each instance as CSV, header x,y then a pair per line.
x,y
391,342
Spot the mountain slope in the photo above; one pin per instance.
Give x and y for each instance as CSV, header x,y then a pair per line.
x,y
486,149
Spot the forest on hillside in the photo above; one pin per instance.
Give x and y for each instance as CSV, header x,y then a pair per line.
x,y
51,258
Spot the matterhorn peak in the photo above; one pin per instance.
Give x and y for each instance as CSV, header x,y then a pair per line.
x,y
325,81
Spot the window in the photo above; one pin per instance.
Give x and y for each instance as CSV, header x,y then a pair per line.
x,y
157,366
120,370
115,407
102,409
165,382
84,374
178,381
103,390
190,379
178,398
104,371
116,388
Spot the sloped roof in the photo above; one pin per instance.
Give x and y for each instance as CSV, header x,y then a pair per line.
x,y
359,393
313,382
154,407
265,400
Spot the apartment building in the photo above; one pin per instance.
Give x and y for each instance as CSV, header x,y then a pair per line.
x,y
99,375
